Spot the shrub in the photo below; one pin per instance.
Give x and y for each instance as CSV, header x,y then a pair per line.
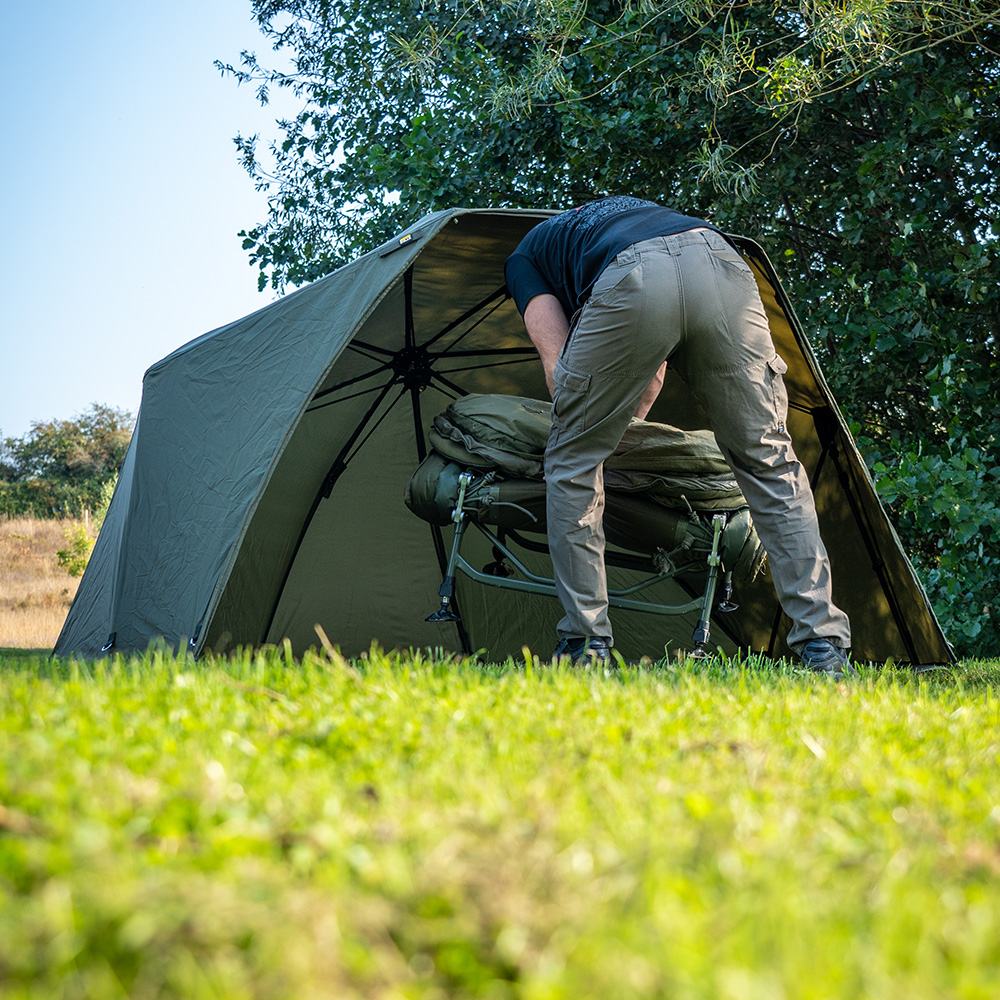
x,y
76,555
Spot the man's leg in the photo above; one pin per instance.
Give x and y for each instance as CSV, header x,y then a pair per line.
x,y
600,378
729,363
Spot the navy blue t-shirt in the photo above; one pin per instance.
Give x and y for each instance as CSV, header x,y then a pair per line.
x,y
565,255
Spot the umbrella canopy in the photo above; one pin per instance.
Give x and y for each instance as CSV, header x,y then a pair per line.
x,y
262,494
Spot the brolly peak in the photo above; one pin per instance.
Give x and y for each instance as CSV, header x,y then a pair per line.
x,y
413,367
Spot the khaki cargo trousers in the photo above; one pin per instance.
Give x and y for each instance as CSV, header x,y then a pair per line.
x,y
693,300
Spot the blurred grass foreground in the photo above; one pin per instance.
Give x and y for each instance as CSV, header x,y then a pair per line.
x,y
405,827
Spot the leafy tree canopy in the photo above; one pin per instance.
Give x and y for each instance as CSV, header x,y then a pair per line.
x,y
856,140
61,466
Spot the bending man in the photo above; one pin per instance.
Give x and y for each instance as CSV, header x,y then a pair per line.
x,y
610,292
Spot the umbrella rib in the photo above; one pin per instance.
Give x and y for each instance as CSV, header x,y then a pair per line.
x,y
454,393
488,352
323,493
529,355
339,463
375,427
355,344
438,377
408,333
493,364
418,424
343,399
350,381
500,293
381,358
482,319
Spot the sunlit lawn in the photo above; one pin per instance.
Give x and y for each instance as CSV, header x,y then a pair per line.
x,y
400,827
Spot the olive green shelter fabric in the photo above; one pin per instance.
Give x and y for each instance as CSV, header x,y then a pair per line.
x,y
262,493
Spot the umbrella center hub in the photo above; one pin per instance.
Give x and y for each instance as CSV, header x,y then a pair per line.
x,y
413,365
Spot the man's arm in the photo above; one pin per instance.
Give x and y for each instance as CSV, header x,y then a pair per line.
x,y
652,391
548,329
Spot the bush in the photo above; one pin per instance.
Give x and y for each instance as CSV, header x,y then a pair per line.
x,y
61,468
76,555
946,507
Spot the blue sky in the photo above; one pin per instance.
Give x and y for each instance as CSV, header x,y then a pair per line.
x,y
121,195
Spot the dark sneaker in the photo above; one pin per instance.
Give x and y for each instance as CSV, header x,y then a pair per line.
x,y
822,657
584,649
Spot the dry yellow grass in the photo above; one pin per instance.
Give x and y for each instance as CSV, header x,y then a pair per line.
x,y
35,591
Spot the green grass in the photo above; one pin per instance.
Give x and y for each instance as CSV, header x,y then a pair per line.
x,y
407,827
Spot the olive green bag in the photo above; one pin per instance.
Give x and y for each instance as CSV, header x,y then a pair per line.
x,y
661,483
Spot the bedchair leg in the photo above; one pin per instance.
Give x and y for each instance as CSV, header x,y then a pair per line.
x,y
447,589
704,627
725,604
499,567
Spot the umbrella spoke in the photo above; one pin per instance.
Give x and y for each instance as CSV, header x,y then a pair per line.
x,y
438,377
355,344
490,364
351,381
500,293
436,537
344,399
409,336
418,424
375,427
340,462
326,488
481,319
487,352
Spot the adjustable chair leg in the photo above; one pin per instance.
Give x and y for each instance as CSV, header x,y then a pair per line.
x,y
704,627
447,589
726,604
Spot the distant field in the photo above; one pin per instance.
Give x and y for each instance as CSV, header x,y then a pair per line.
x,y
35,592
398,827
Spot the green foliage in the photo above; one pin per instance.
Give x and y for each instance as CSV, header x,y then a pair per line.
x,y
856,141
62,467
81,536
107,491
75,556
948,505
414,826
